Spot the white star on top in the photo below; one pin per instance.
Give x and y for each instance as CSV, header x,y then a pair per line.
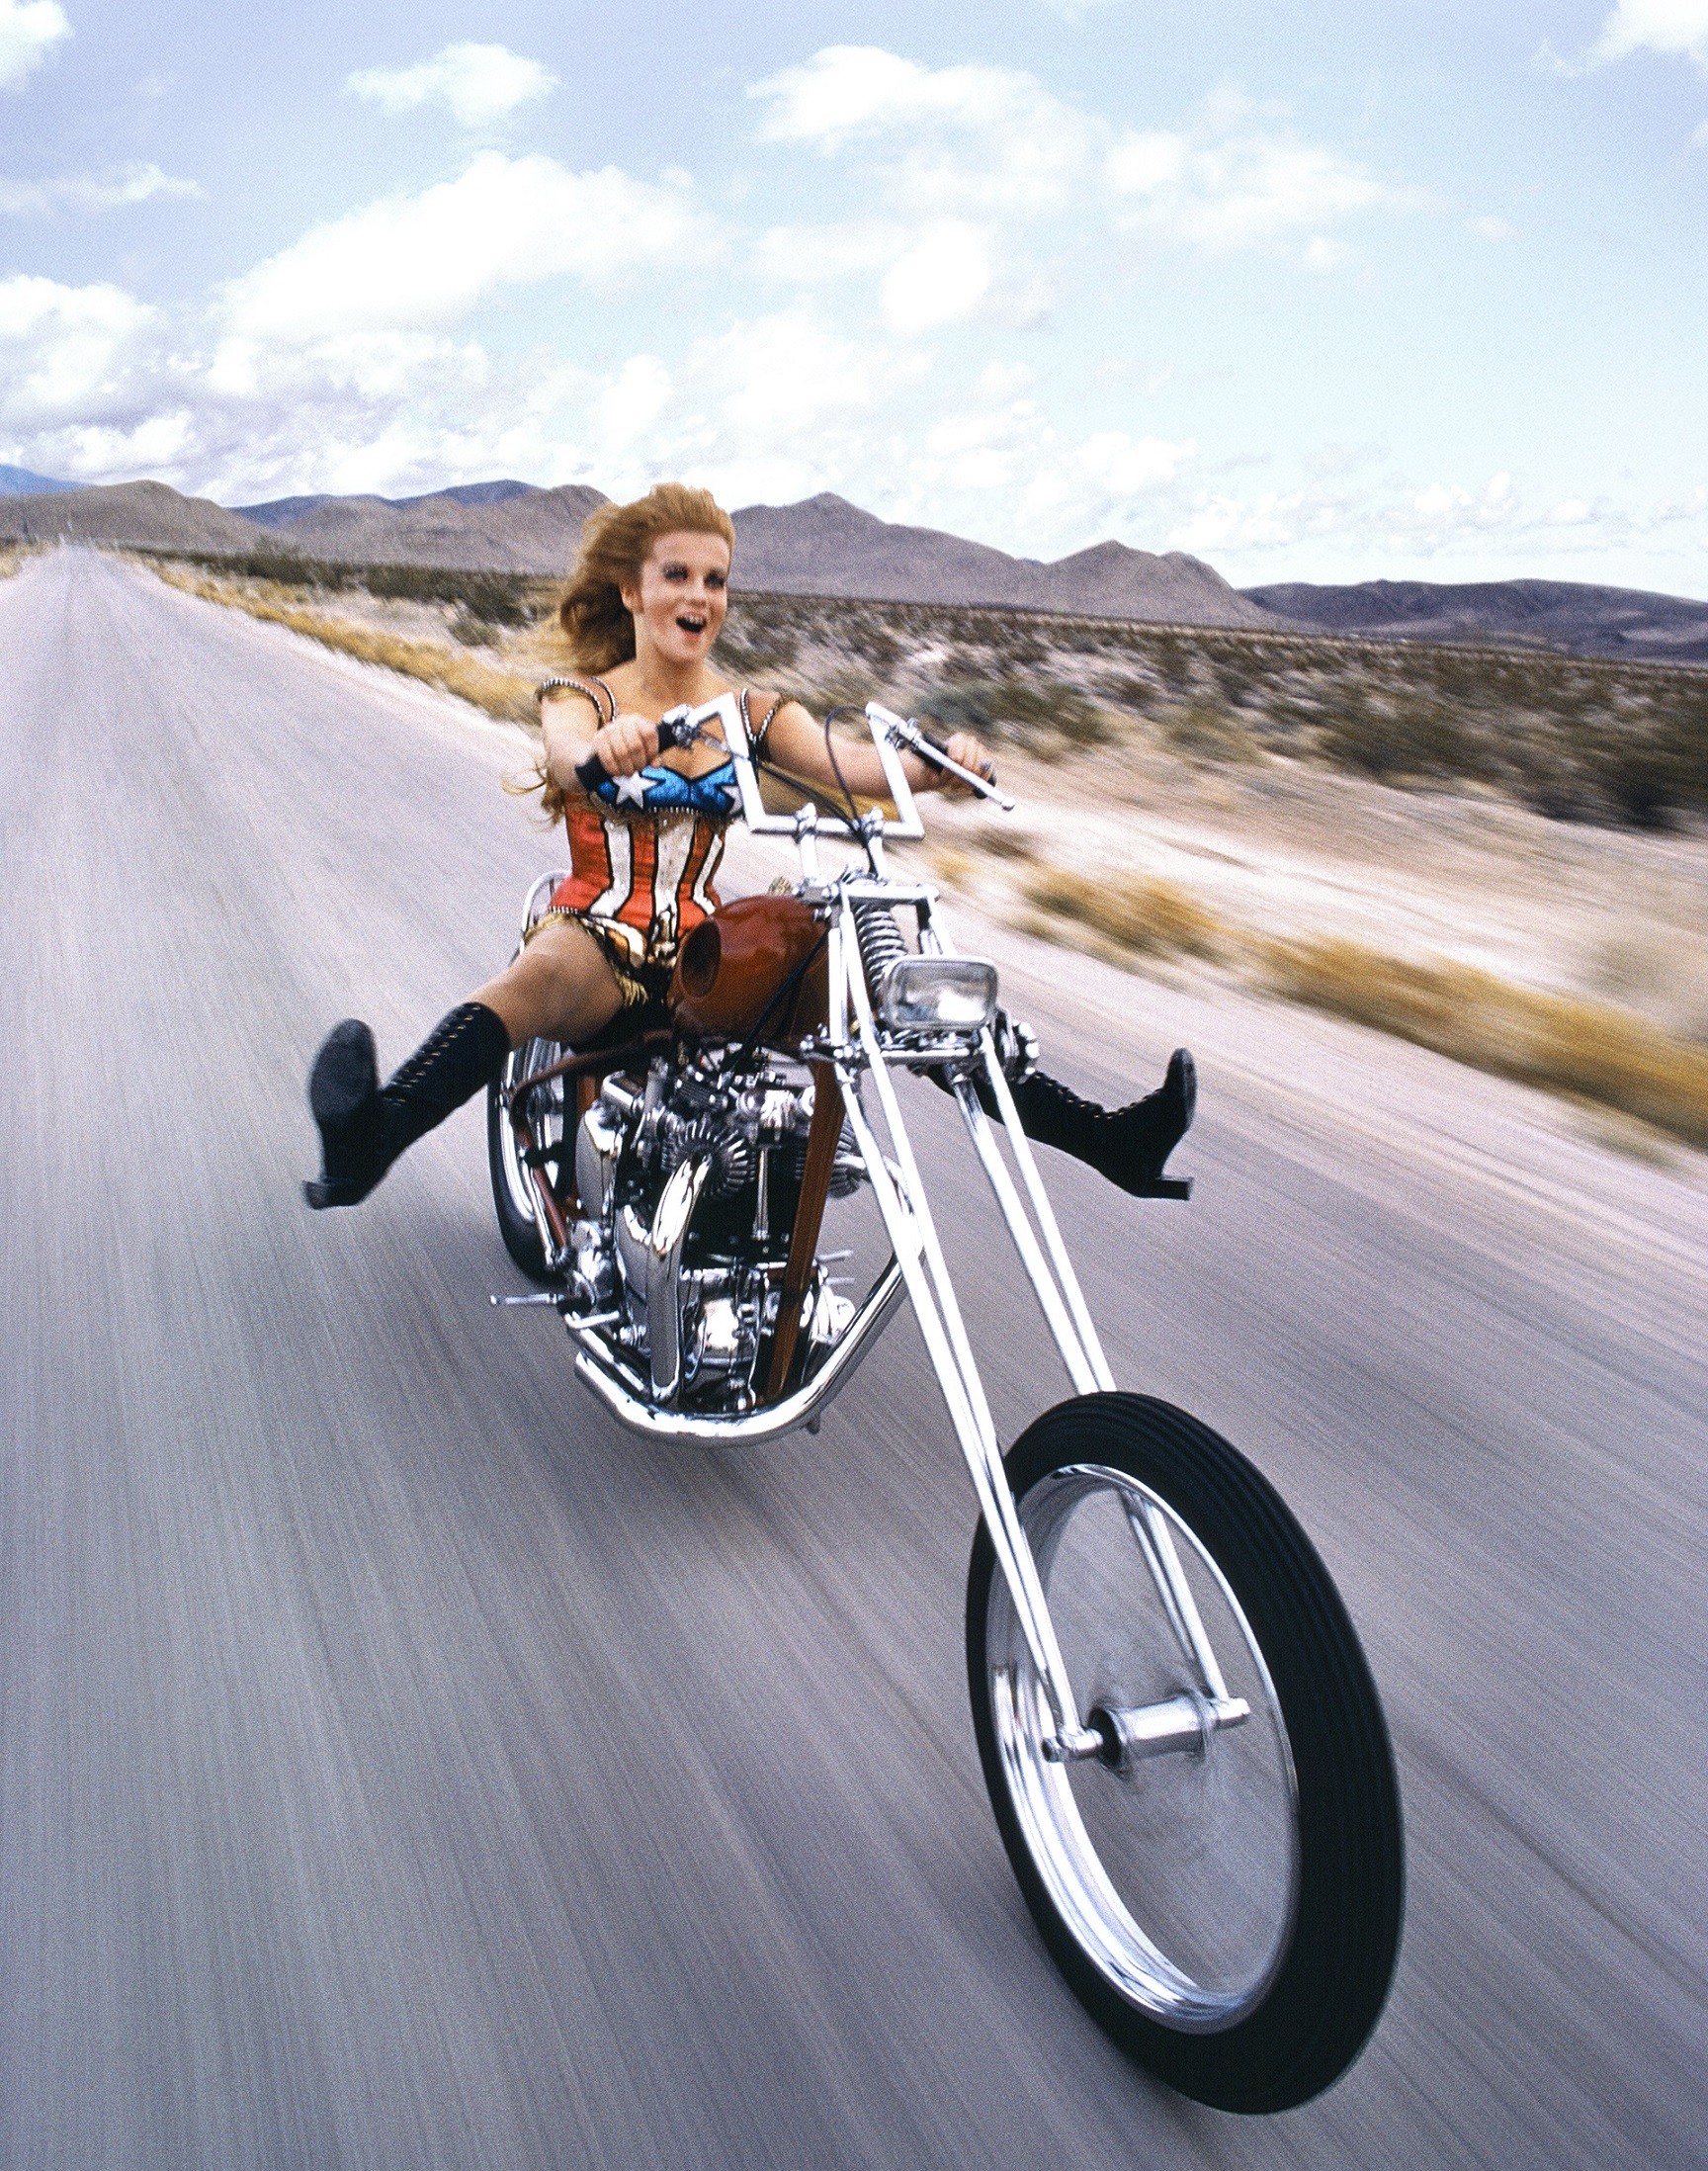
x,y
632,790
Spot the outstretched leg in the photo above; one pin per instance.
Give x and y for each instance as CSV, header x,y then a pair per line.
x,y
560,987
1127,1145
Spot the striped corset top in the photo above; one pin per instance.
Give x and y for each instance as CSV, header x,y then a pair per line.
x,y
650,872
645,853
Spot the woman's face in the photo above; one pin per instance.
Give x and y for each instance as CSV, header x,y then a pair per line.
x,y
683,594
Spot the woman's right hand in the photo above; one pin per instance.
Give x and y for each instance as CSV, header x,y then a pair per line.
x,y
625,744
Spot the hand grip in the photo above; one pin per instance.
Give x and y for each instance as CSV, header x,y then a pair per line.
x,y
674,730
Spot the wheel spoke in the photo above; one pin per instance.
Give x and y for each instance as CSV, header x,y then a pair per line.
x,y
1150,1530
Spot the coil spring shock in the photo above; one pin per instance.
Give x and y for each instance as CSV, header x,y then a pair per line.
x,y
881,942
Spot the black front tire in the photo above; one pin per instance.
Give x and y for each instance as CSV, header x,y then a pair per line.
x,y
1301,2010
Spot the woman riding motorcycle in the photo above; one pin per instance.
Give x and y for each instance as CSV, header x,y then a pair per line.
x,y
644,605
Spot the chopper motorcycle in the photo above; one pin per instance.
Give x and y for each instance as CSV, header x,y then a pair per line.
x,y
1179,1734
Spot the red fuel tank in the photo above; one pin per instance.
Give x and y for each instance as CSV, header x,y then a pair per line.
x,y
759,960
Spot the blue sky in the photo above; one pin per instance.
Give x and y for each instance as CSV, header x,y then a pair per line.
x,y
1324,292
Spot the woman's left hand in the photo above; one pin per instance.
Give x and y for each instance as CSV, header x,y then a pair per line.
x,y
972,753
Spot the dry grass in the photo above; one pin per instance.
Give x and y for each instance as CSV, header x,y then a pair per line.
x,y
1590,1050
1587,1049
954,868
506,694
1144,918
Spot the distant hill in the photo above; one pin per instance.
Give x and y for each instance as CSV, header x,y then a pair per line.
x,y
19,483
496,527
1568,615
146,514
280,512
825,546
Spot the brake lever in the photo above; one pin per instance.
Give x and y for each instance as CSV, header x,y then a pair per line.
x,y
907,734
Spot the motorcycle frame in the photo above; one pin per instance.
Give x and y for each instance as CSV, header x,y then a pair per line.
x,y
856,1045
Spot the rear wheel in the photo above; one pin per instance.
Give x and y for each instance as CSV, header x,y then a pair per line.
x,y
1222,1884
512,1193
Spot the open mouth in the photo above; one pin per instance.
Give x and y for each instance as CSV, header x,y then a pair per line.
x,y
691,622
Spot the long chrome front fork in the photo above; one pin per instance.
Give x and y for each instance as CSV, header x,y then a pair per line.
x,y
901,1202
1037,1238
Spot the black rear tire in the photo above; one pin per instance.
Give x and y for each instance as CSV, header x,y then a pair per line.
x,y
516,1223
1330,1915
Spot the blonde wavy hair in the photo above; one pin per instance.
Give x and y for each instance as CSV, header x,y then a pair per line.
x,y
614,546
597,623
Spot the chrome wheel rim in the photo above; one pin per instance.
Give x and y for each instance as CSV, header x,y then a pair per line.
x,y
532,1055
1178,1881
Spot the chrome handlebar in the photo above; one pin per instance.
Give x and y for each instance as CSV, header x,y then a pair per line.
x,y
677,728
904,732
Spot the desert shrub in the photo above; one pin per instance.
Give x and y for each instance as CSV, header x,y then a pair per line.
x,y
1172,658
1027,712
472,631
1128,691
1399,735
1591,1049
491,598
1142,915
1003,842
1207,732
1576,739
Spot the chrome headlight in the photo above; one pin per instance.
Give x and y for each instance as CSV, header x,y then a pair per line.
x,y
938,994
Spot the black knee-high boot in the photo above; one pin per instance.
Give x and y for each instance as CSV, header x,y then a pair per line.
x,y
364,1125
1127,1145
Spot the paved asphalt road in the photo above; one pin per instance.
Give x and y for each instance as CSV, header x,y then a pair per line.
x,y
402,1766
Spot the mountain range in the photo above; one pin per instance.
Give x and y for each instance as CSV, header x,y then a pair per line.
x,y
822,546
1572,615
19,483
825,546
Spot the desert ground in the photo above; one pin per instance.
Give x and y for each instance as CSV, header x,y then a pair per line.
x,y
1500,855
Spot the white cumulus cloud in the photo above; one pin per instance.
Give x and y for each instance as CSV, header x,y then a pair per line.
x,y
969,138
813,255
428,258
476,84
1655,26
71,352
1129,467
979,141
1235,183
91,192
940,277
27,30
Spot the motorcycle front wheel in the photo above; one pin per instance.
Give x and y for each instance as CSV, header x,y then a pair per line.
x,y
512,1198
1220,1887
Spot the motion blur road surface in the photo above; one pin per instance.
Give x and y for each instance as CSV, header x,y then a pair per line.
x,y
399,1764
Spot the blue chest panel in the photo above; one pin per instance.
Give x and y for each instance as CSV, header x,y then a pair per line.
x,y
666,791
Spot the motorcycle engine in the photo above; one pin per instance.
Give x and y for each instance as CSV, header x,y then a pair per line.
x,y
721,1275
